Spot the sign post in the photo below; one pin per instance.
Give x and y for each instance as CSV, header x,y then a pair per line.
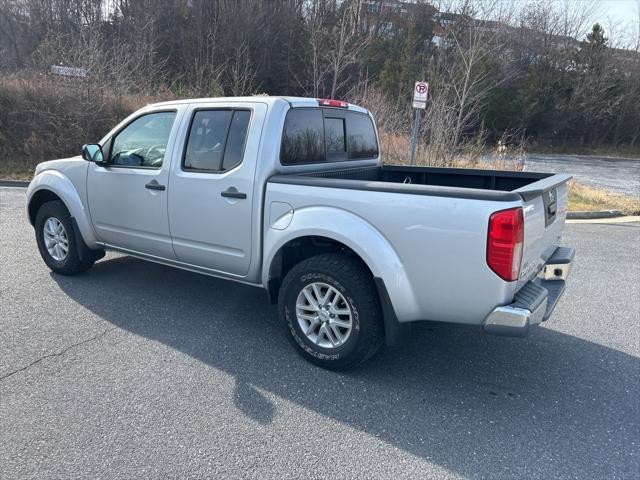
x,y
420,92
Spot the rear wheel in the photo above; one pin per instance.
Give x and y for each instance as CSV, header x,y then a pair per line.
x,y
56,240
331,311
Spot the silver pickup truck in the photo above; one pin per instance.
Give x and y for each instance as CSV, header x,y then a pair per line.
x,y
290,195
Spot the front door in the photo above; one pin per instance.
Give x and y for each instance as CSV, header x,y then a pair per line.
x,y
128,196
212,186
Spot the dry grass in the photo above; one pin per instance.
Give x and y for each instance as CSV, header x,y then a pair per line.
x,y
584,198
17,170
44,117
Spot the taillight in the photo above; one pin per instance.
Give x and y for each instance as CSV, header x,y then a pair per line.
x,y
505,243
327,102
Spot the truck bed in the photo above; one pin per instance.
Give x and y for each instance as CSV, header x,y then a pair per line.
x,y
497,185
451,219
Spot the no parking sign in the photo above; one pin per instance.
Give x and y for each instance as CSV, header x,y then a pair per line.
x,y
420,92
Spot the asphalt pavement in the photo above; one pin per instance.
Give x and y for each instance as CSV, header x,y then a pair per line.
x,y
136,370
617,174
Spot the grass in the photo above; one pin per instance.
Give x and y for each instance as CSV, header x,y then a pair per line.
x,y
17,170
585,198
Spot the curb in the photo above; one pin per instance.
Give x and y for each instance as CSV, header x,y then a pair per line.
x,y
607,221
586,215
13,183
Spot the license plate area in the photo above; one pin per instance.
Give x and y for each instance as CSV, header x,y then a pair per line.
x,y
558,266
555,272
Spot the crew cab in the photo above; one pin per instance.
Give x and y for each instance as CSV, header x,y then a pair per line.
x,y
291,195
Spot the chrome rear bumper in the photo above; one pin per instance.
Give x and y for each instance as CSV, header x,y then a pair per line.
x,y
534,302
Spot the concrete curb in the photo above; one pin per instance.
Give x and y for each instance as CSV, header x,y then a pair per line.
x,y
13,183
607,221
586,215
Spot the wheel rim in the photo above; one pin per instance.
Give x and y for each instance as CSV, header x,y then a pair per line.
x,y
324,316
55,239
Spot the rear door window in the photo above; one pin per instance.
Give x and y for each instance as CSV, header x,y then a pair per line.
x,y
216,140
234,150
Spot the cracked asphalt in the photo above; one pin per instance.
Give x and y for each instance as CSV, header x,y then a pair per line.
x,y
137,370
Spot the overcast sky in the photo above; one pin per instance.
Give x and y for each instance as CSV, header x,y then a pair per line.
x,y
618,17
621,10
621,16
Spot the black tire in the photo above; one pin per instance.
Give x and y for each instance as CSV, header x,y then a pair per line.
x,y
72,263
351,278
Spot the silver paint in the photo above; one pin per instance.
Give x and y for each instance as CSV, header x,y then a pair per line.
x,y
430,251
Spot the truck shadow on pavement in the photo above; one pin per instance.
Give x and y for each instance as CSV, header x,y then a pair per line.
x,y
477,405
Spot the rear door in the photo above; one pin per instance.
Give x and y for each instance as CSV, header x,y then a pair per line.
x,y
212,185
545,211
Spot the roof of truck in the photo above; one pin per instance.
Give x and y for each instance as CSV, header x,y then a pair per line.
x,y
293,101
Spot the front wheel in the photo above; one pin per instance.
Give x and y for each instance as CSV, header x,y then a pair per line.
x,y
331,311
57,242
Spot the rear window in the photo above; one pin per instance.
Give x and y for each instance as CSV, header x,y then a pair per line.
x,y
317,135
361,138
334,135
303,140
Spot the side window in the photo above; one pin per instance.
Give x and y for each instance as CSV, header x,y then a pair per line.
x,y
234,150
361,137
216,140
303,137
143,142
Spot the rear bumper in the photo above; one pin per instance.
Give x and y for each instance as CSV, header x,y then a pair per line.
x,y
534,302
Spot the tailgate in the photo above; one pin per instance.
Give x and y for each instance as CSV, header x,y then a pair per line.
x,y
545,211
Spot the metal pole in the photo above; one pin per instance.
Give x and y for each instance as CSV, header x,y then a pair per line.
x,y
414,139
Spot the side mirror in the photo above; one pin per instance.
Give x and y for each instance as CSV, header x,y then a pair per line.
x,y
92,152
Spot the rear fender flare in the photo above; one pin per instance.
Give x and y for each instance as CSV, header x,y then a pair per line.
x,y
357,234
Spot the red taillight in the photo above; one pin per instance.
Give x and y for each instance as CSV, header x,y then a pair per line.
x,y
327,102
505,242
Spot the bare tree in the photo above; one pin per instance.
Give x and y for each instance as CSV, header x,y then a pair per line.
x,y
316,71
345,48
243,76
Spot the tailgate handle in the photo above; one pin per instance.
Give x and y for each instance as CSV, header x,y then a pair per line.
x,y
551,209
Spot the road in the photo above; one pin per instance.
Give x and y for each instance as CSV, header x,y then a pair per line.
x,y
136,370
619,175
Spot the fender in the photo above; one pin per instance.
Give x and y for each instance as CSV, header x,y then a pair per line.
x,y
357,234
59,184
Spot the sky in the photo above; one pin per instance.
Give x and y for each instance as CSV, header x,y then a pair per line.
x,y
621,15
620,10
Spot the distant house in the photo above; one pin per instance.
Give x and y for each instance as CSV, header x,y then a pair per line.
x,y
384,16
443,23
